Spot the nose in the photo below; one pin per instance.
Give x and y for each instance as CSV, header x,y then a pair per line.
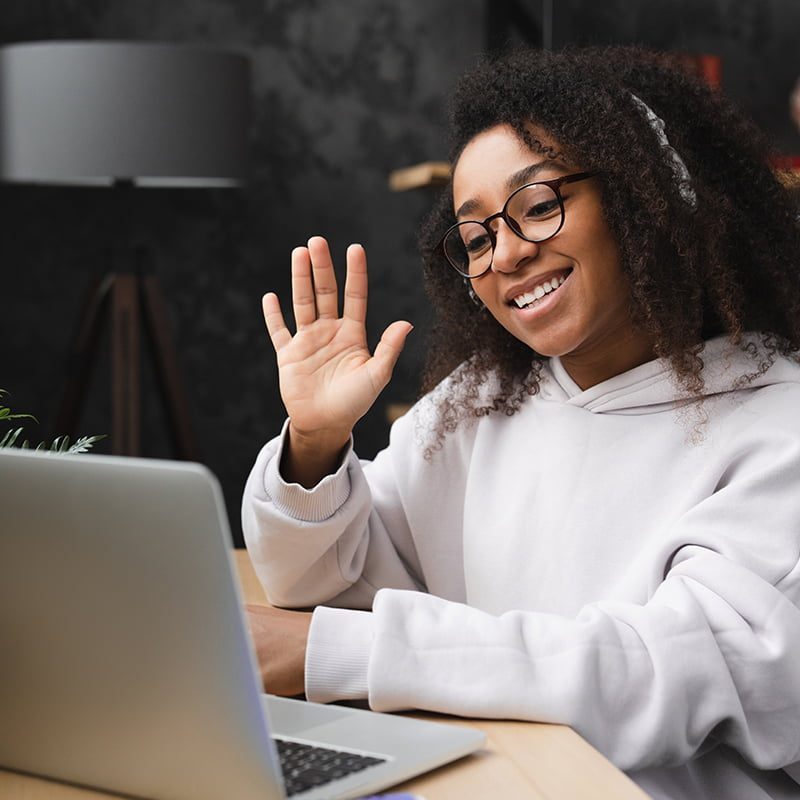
x,y
511,250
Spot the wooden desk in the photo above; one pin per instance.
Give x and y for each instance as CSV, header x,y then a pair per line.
x,y
521,761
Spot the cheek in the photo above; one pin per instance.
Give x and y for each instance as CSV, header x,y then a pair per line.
x,y
484,290
601,255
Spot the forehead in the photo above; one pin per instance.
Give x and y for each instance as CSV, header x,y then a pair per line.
x,y
491,157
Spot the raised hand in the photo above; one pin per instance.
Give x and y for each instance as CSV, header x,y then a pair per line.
x,y
328,378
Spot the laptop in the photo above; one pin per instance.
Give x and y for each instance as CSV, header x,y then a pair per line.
x,y
126,663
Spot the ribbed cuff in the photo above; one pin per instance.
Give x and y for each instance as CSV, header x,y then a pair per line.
x,y
337,654
307,505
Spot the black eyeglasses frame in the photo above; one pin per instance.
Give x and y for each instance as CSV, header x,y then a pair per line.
x,y
555,184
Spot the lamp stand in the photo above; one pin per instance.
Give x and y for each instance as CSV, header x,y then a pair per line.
x,y
132,301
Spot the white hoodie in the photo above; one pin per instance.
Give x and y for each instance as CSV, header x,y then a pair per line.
x,y
613,559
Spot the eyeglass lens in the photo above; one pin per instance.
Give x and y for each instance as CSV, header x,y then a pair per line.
x,y
534,213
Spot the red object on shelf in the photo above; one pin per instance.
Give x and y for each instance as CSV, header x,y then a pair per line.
x,y
705,66
788,163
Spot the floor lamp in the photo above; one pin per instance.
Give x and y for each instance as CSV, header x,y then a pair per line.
x,y
124,115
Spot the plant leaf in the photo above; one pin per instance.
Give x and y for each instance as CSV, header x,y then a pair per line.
x,y
60,443
11,415
11,437
83,444
7,413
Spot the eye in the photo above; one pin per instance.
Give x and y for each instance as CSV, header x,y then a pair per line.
x,y
542,209
474,238
536,202
477,243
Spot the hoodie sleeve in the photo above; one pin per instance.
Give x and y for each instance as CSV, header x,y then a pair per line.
x,y
331,543
712,657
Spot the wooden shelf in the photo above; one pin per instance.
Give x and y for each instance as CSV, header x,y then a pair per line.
x,y
787,169
430,173
789,178
396,410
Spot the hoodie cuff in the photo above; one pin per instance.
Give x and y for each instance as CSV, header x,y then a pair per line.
x,y
307,505
337,654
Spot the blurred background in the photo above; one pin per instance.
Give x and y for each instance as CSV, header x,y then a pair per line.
x,y
343,94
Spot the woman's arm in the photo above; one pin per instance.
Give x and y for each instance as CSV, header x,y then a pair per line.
x,y
331,543
712,656
306,504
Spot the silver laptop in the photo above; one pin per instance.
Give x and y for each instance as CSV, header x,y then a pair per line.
x,y
125,662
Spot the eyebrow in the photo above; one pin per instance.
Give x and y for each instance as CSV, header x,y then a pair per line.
x,y
519,178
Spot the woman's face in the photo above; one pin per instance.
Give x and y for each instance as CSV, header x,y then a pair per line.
x,y
586,320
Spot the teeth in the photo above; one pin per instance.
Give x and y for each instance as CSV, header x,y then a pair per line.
x,y
526,298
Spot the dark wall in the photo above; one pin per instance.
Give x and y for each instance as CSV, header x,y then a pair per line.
x,y
756,40
344,92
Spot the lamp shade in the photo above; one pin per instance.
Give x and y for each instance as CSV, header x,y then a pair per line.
x,y
99,112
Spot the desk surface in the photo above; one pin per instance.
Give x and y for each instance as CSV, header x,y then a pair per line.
x,y
522,760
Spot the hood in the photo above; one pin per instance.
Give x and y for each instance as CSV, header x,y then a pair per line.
x,y
652,387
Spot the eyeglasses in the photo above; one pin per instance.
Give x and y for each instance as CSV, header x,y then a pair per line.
x,y
534,212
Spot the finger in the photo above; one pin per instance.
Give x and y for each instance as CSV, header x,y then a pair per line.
x,y
276,326
325,290
388,351
355,285
303,303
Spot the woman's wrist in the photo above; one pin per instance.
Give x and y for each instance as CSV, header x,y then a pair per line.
x,y
308,458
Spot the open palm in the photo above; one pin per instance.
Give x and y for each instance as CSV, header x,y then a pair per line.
x,y
328,377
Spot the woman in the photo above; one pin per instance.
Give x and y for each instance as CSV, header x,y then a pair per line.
x,y
593,515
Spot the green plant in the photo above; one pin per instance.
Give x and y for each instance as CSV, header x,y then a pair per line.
x,y
61,444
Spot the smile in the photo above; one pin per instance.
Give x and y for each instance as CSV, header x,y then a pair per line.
x,y
532,297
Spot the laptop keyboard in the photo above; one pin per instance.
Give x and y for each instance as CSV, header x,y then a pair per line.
x,y
306,766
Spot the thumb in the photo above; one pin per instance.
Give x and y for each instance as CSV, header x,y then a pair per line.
x,y
388,350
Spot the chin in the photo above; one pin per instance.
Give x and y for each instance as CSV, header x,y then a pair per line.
x,y
550,346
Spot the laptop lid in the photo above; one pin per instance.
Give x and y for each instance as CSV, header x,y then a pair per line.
x,y
110,585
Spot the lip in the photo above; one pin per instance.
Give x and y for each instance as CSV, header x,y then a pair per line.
x,y
532,283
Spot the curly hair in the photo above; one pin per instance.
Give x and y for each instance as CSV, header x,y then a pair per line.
x,y
728,266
